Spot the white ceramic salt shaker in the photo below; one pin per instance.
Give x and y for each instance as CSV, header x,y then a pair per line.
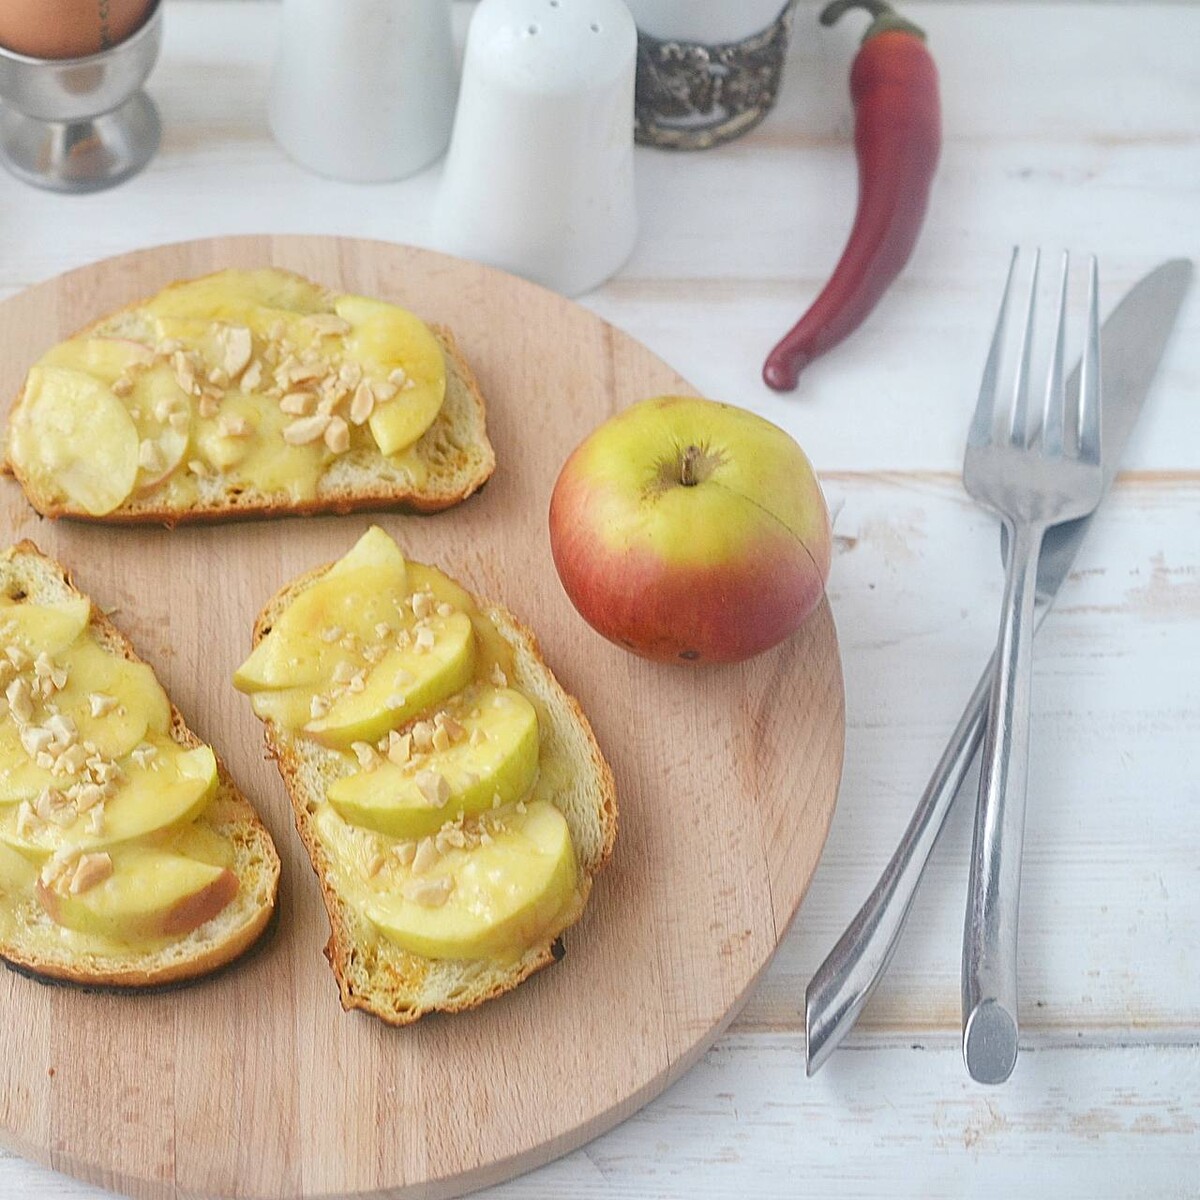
x,y
539,177
364,90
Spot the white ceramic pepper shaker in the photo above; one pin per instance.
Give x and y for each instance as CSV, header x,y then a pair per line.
x,y
539,178
364,90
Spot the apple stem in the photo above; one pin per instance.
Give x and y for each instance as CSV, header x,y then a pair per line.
x,y
687,466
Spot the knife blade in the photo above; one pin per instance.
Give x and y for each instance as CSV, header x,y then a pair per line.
x,y
1133,340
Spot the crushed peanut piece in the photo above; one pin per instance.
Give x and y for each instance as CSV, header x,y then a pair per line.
x,y
441,739
362,405
327,324
234,426
425,639
150,456
332,634
239,346
406,852
252,376
399,749
429,893
445,610
95,824
297,404
305,430
197,468
398,376
367,757
101,704
318,707
93,869
208,407
422,737
425,857
343,672
337,436
434,788
122,386
498,676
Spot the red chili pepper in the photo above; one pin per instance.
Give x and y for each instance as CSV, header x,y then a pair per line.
x,y
897,137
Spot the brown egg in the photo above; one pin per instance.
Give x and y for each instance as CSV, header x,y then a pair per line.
x,y
68,28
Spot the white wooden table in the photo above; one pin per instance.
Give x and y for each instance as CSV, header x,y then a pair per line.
x,y
1074,125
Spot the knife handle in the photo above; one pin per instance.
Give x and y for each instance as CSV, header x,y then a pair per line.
x,y
844,982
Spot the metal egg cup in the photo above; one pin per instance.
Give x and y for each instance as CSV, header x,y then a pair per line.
x,y
81,124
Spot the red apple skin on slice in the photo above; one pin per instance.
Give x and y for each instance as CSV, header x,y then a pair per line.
x,y
717,569
192,911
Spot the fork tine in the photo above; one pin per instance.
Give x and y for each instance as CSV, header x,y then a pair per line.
x,y
1019,429
1089,374
984,420
1056,399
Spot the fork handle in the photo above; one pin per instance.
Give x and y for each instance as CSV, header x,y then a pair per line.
x,y
989,966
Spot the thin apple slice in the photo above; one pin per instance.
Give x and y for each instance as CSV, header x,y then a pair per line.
x,y
168,791
385,339
162,412
150,894
361,591
406,682
288,708
71,434
496,756
487,901
17,873
237,296
49,627
106,358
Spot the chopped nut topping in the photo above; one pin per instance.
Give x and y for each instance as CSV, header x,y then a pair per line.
x,y
521,807
143,754
318,707
179,421
367,757
150,456
375,864
343,672
327,324
362,405
406,852
422,737
26,819
122,386
383,392
93,869
399,749
20,703
434,788
383,630
35,739
498,676
232,426
277,330
252,376
332,634
425,857
17,657
87,796
358,682
429,893
239,346
197,468
422,605
218,377
53,806
45,760
64,730
305,430
337,436
297,404
95,824
441,739
445,610
478,736
185,372
398,376
208,407
101,704
374,653
425,639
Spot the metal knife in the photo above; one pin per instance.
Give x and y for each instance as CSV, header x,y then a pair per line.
x,y
1133,340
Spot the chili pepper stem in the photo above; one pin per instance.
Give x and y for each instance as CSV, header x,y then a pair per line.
x,y
887,19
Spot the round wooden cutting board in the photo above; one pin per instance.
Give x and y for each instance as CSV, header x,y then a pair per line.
x,y
255,1083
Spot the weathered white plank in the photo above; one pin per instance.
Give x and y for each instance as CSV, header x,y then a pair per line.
x,y
897,1120
1110,910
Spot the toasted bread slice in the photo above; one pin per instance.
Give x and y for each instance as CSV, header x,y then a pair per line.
x,y
31,943
451,460
376,975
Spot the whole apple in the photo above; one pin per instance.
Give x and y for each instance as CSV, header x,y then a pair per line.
x,y
690,531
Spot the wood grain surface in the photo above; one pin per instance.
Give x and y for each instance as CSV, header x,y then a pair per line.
x,y
254,1083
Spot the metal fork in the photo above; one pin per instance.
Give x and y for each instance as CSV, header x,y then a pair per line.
x,y
1033,474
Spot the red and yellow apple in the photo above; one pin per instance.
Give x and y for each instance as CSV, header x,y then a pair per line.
x,y
690,531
